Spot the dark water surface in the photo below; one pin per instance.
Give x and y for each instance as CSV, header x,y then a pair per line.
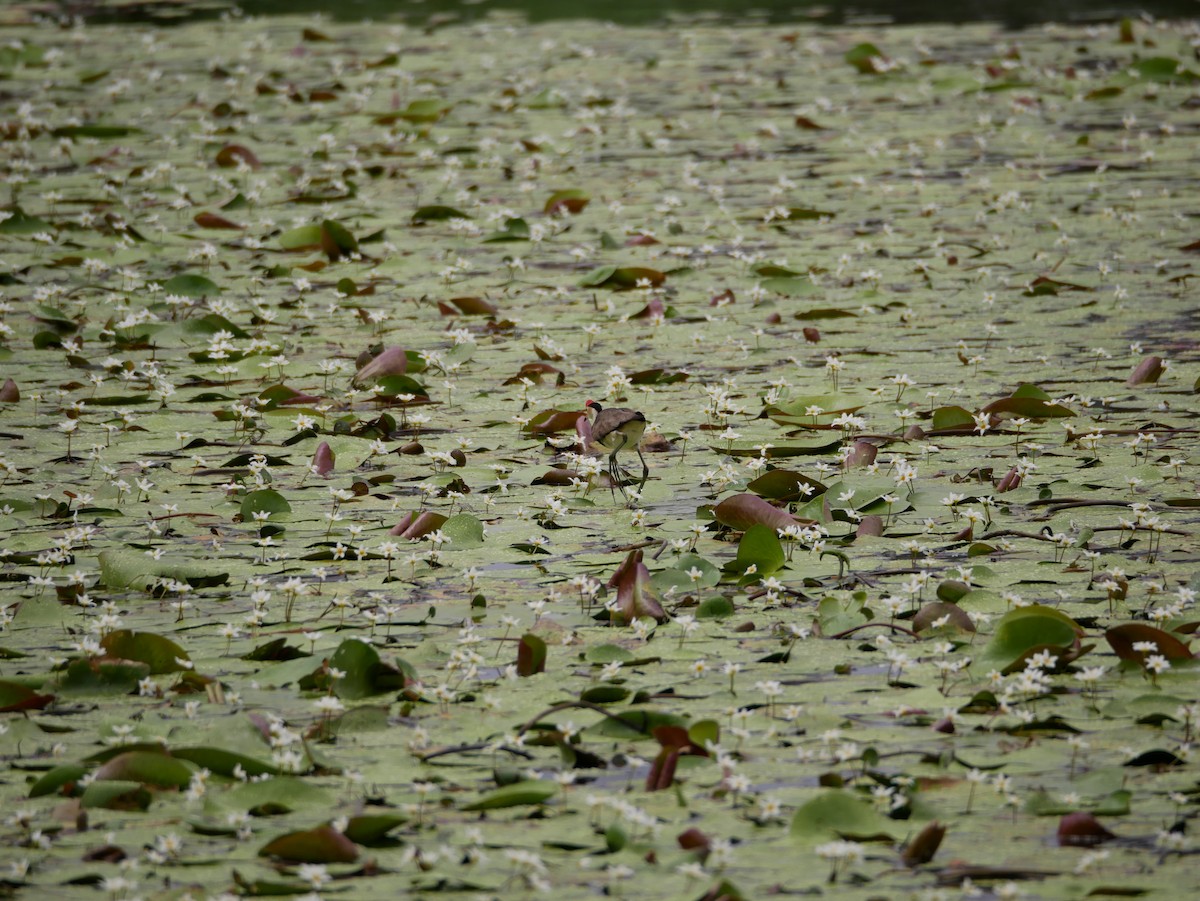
x,y
433,13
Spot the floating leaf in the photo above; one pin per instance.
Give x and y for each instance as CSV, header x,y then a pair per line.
x,y
514,229
1028,401
191,285
784,485
264,500
18,222
332,238
225,763
463,531
114,795
436,213
161,654
715,608
520,794
418,112
1044,286
1028,629
759,548
365,673
1164,69
952,419
622,278
122,569
791,287
373,828
279,794
840,814
91,676
63,779
159,770
866,58
14,696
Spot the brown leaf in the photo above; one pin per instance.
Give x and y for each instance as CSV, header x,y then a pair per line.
x,y
1010,481
105,854
392,361
321,845
570,204
1122,639
212,220
809,124
10,393
861,454
935,610
560,477
871,525
1146,372
635,600
726,296
413,526
19,697
653,308
550,422
745,510
662,771
322,463
694,840
535,372
474,306
922,848
1082,830
231,154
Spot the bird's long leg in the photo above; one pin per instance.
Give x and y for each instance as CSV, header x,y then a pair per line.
x,y
614,468
645,469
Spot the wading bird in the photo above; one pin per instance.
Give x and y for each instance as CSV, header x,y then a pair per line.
x,y
615,429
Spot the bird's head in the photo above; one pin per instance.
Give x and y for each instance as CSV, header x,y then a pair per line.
x,y
593,406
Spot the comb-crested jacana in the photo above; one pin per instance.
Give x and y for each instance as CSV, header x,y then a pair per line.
x,y
615,429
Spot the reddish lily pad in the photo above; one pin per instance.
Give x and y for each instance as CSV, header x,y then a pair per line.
x,y
321,845
1122,639
742,511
